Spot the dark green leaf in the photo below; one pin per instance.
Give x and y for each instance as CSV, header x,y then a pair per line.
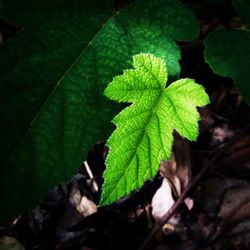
x,y
228,53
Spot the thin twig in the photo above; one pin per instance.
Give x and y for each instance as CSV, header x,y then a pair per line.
x,y
189,187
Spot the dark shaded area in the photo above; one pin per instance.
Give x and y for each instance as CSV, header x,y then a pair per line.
x,y
7,30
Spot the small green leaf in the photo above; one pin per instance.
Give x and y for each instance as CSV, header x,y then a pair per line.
x,y
144,134
228,51
230,58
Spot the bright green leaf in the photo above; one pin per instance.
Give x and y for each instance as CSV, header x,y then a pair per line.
x,y
228,52
144,134
52,77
